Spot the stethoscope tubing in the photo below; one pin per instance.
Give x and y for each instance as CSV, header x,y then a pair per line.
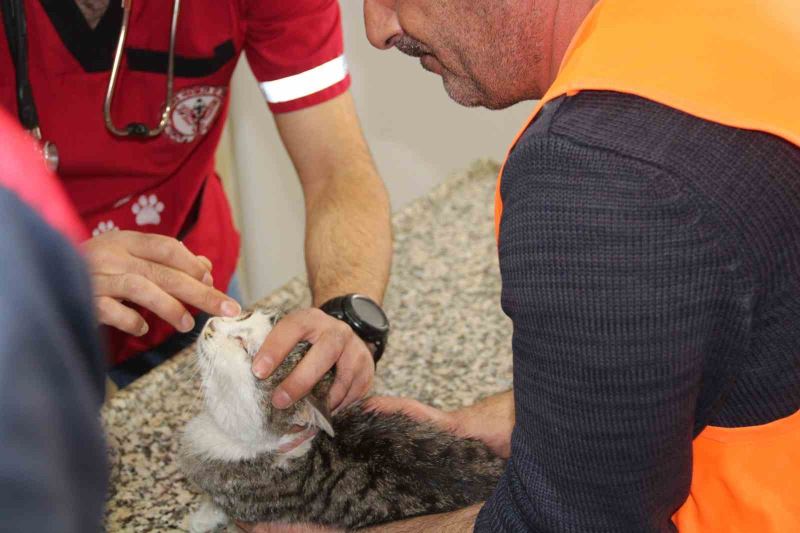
x,y
17,34
138,129
16,31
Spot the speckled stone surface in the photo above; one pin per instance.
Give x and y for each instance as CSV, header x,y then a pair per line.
x,y
451,344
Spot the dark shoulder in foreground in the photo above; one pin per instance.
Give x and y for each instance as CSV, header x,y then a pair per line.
x,y
650,264
730,169
736,187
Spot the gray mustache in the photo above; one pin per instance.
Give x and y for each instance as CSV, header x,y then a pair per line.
x,y
411,47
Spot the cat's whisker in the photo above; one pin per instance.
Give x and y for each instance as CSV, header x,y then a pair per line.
x,y
187,366
196,404
189,370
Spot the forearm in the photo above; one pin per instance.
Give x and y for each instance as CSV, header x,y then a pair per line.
x,y
490,420
459,521
348,233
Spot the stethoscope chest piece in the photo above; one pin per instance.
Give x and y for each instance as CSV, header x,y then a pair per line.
x,y
14,22
50,153
48,149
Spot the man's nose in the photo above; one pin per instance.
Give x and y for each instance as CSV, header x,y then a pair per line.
x,y
380,18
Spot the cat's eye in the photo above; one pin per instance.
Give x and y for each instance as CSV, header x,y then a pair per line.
x,y
242,342
245,316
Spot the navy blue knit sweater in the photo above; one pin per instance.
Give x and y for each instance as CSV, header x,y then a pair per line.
x,y
651,267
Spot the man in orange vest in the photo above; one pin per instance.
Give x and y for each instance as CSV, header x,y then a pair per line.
x,y
648,224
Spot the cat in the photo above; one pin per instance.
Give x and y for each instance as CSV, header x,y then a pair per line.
x,y
300,465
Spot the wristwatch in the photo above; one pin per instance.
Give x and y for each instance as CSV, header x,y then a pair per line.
x,y
365,317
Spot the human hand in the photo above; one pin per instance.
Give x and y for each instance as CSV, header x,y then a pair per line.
x,y
446,421
334,343
490,420
156,272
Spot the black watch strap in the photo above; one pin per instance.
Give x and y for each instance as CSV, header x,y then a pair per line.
x,y
342,309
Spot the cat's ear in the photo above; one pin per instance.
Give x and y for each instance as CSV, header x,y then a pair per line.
x,y
313,412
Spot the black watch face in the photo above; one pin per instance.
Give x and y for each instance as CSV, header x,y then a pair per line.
x,y
368,312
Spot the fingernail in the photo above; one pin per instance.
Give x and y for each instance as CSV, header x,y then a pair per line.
x,y
281,400
263,367
230,308
187,322
206,261
208,280
144,329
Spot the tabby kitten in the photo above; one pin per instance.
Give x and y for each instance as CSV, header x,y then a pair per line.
x,y
299,465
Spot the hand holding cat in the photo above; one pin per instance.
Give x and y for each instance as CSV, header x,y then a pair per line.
x,y
490,420
156,272
334,343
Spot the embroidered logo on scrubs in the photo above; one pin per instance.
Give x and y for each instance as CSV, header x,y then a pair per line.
x,y
104,227
148,210
193,112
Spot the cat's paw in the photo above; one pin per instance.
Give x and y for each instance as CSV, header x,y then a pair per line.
x,y
208,519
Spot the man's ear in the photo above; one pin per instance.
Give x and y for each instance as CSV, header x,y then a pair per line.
x,y
313,413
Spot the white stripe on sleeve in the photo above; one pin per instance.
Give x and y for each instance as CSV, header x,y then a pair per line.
x,y
305,83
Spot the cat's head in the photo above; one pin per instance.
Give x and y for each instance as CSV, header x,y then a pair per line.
x,y
240,403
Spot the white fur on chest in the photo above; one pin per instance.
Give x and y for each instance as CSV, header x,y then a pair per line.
x,y
204,438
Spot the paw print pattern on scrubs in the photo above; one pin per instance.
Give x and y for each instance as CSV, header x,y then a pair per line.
x,y
104,227
148,210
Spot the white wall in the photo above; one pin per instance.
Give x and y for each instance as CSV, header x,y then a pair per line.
x,y
417,136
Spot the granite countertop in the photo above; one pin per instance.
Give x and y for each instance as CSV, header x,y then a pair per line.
x,y
450,345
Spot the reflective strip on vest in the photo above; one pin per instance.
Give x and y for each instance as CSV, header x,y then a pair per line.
x,y
736,63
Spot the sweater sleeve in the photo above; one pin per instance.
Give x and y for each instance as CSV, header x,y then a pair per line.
x,y
613,283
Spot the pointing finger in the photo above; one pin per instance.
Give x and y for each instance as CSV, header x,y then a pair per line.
x,y
187,289
140,290
166,251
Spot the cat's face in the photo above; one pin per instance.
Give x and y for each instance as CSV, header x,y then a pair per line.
x,y
239,402
225,349
239,338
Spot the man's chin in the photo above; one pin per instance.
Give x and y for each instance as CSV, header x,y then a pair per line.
x,y
465,93
462,93
461,90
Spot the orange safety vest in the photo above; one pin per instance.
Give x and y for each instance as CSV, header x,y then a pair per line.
x,y
737,63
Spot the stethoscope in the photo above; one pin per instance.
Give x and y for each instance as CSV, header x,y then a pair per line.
x,y
16,32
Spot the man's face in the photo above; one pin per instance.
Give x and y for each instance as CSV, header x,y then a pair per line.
x,y
484,50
